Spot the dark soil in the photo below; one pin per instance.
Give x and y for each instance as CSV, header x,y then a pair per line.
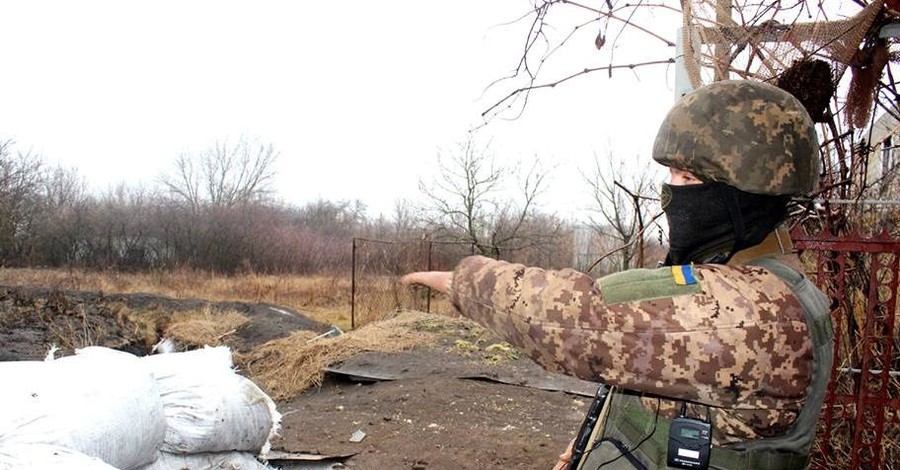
x,y
435,407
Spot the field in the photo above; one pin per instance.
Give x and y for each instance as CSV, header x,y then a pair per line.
x,y
427,391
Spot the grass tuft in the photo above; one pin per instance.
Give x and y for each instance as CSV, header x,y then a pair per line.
x,y
203,327
288,366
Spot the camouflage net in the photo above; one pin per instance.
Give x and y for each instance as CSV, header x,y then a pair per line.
x,y
765,41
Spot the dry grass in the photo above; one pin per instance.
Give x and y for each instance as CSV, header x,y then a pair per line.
x,y
285,367
377,295
73,325
323,298
203,327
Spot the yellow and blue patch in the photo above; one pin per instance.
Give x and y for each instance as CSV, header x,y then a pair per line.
x,y
645,284
684,275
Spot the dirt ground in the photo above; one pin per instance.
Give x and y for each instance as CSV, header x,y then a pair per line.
x,y
437,406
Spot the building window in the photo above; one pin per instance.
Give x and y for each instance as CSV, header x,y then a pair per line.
x,y
887,155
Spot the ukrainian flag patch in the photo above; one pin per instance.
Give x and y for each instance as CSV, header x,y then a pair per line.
x,y
646,284
684,275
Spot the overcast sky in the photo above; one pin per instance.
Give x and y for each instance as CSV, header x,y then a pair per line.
x,y
357,96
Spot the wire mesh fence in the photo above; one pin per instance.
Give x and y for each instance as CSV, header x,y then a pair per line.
x,y
378,265
860,426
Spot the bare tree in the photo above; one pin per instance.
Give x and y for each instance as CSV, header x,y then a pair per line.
x,y
20,177
469,201
224,175
63,223
213,197
625,37
123,233
405,221
184,183
624,206
327,230
336,219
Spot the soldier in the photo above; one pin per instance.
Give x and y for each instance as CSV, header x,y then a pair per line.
x,y
719,359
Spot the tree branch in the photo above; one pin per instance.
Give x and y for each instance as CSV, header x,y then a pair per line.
x,y
586,71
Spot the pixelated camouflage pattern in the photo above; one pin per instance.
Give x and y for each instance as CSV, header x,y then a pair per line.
x,y
750,135
739,344
731,425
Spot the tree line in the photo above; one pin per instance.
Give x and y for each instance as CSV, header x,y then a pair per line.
x,y
216,211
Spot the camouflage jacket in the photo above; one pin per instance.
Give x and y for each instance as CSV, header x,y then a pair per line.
x,y
735,338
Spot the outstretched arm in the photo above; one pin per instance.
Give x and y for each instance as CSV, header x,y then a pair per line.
x,y
715,341
437,280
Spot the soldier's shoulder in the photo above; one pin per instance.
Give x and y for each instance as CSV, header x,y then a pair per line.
x,y
647,284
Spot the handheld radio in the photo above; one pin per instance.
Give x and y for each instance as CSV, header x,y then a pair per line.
x,y
588,427
690,440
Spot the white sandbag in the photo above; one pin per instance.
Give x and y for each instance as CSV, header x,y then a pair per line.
x,y
210,360
100,402
207,461
209,407
47,456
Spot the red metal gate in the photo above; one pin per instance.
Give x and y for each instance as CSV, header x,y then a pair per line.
x,y
860,424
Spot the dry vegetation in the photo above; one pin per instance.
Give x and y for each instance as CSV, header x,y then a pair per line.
x,y
322,298
285,367
204,327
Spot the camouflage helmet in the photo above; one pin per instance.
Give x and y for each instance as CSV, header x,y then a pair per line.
x,y
750,135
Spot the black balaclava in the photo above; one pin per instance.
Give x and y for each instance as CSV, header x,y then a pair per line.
x,y
710,222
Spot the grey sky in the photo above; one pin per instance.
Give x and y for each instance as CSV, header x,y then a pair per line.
x,y
358,96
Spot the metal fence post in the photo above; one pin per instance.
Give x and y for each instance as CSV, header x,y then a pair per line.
x,y
428,298
353,286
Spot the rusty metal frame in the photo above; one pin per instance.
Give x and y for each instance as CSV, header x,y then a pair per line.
x,y
860,274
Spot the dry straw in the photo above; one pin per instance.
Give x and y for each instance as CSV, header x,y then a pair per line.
x,y
204,328
286,367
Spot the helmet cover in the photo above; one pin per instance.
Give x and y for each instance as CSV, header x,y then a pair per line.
x,y
747,134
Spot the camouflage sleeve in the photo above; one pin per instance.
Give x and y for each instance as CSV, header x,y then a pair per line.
x,y
734,338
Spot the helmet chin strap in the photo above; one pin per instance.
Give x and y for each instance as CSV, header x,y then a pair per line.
x,y
777,243
715,252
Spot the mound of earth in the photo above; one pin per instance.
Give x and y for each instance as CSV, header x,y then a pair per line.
x,y
466,401
34,318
